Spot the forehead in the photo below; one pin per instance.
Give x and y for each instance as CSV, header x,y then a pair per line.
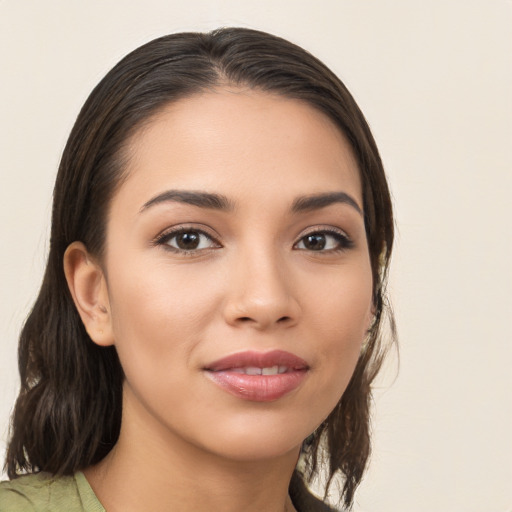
x,y
240,142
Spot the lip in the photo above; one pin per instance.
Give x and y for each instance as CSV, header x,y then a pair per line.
x,y
228,374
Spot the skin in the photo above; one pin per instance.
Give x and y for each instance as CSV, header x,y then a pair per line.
x,y
252,284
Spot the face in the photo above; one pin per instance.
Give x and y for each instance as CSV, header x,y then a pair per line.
x,y
237,272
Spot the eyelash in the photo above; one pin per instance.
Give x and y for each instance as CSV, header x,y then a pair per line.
x,y
342,241
165,238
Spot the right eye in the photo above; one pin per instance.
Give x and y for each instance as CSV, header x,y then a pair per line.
x,y
187,240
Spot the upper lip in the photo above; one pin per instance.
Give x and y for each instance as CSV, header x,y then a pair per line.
x,y
258,360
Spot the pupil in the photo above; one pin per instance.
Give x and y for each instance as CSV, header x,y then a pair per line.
x,y
188,240
315,242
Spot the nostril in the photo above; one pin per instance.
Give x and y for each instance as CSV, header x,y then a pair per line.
x,y
246,319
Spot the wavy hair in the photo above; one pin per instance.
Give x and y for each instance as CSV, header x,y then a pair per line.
x,y
68,412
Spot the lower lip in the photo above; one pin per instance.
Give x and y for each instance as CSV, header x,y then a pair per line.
x,y
258,388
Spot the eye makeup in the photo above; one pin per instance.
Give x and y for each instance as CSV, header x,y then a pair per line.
x,y
324,240
187,240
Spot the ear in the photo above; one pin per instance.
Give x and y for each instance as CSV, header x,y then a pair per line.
x,y
88,287
371,317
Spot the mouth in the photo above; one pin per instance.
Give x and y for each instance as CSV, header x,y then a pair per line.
x,y
257,376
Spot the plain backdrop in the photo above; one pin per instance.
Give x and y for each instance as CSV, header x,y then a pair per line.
x,y
434,79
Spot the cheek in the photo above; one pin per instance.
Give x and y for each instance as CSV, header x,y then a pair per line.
x,y
159,317
340,317
343,304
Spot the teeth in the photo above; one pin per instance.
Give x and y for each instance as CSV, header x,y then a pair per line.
x,y
252,370
273,370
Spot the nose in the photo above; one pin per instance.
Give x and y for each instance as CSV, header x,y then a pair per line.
x,y
261,293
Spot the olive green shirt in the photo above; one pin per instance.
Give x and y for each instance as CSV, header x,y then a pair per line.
x,y
41,492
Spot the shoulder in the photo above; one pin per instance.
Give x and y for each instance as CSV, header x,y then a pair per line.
x,y
26,493
41,492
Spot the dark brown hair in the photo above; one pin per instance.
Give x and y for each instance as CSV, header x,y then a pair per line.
x,y
68,412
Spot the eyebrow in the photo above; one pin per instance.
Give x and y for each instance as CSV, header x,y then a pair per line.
x,y
317,201
220,202
200,199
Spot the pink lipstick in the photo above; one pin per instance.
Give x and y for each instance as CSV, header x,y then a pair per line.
x,y
258,376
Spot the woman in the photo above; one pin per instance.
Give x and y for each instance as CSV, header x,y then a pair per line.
x,y
208,326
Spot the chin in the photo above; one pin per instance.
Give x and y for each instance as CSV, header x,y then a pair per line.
x,y
258,437
255,448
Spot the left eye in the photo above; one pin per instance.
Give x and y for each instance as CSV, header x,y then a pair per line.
x,y
189,240
323,241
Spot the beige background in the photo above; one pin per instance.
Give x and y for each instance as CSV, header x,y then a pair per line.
x,y
435,81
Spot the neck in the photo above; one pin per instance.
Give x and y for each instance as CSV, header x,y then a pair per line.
x,y
151,470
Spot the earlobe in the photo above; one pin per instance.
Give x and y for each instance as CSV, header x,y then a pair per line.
x,y
88,287
370,320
